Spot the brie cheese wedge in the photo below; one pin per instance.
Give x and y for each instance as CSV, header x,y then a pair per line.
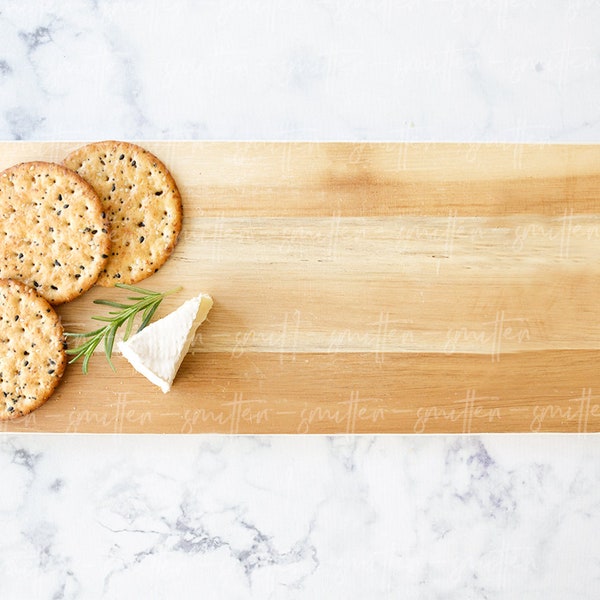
x,y
158,350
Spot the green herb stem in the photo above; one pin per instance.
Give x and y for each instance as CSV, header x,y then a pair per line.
x,y
145,302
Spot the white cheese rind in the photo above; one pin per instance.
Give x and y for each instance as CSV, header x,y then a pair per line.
x,y
158,350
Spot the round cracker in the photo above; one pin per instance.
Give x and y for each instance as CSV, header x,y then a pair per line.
x,y
142,203
54,232
32,349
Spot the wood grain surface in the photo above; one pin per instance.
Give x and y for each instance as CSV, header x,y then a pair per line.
x,y
364,288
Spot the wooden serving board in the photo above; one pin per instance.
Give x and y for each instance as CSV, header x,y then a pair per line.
x,y
364,288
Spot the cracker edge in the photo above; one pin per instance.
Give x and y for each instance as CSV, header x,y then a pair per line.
x,y
61,364
92,192
112,145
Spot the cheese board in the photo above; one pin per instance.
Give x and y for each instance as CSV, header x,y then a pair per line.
x,y
363,288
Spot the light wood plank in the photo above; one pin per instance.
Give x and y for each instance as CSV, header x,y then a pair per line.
x,y
334,393
367,179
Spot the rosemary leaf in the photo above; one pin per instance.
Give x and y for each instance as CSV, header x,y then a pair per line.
x,y
111,303
129,327
148,314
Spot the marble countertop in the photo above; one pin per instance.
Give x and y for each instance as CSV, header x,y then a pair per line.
x,y
459,517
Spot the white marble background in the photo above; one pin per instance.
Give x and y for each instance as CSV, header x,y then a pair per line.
x,y
307,69
300,517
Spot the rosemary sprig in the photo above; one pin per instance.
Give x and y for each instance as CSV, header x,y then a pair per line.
x,y
145,302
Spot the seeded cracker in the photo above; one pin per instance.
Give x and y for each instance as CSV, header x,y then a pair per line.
x,y
32,349
54,234
142,203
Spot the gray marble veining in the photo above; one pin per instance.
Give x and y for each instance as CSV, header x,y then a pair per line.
x,y
299,517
